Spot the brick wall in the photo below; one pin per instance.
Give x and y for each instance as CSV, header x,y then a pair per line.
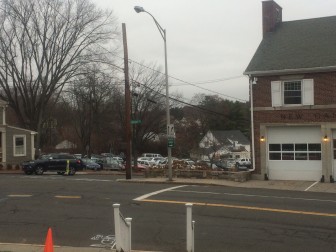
x,y
324,89
324,94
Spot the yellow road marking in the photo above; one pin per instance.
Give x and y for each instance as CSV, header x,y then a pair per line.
x,y
19,195
243,207
67,197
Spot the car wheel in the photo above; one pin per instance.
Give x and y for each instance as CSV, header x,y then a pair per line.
x,y
60,173
39,170
72,171
29,172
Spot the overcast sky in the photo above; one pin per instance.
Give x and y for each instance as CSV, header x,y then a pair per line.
x,y
209,42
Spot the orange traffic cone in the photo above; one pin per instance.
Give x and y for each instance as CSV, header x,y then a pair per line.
x,y
49,247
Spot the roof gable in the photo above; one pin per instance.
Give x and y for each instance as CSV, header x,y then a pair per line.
x,y
229,136
297,45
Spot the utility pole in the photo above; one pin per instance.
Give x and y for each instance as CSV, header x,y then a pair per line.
x,y
127,108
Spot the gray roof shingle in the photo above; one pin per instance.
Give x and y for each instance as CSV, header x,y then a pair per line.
x,y
297,45
225,136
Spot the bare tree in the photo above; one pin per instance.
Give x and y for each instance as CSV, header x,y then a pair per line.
x,y
90,99
43,45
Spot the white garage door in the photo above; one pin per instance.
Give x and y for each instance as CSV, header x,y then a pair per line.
x,y
294,153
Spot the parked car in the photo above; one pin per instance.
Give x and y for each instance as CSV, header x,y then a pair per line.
x,y
112,164
90,164
146,163
243,162
139,168
56,162
119,159
151,155
97,159
157,160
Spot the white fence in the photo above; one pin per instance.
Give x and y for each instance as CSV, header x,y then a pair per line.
x,y
190,229
122,228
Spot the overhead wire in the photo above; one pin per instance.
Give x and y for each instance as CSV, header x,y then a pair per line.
x,y
186,82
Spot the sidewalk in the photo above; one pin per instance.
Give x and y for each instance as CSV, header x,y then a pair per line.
x,y
293,185
40,248
310,186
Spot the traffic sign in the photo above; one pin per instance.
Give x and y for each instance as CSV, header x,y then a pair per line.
x,y
171,142
170,130
135,121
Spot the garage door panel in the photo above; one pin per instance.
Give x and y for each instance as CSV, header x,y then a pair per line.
x,y
310,170
295,170
294,134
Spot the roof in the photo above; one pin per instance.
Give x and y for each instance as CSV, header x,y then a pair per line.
x,y
297,46
230,136
21,129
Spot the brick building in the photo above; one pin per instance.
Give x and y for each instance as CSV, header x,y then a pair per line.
x,y
293,92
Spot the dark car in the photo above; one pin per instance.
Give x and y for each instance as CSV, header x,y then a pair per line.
x,y
52,162
90,164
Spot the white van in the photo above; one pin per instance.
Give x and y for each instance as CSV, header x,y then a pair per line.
x,y
151,155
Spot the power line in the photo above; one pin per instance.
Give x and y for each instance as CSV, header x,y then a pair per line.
x,y
182,102
186,82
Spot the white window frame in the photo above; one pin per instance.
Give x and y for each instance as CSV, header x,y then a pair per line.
x,y
307,92
283,92
295,151
15,154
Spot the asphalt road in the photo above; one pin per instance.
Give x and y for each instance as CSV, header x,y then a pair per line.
x,y
79,211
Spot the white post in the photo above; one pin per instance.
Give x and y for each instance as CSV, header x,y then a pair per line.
x,y
117,226
189,228
129,242
193,236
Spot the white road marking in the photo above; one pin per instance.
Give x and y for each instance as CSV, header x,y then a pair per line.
x,y
157,192
311,186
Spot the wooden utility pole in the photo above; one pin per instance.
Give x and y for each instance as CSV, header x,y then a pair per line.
x,y
127,108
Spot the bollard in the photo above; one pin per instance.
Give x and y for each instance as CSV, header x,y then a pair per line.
x,y
189,228
117,226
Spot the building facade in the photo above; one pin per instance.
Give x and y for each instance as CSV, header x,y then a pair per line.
x,y
293,98
16,144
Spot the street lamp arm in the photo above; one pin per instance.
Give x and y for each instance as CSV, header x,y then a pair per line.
x,y
161,30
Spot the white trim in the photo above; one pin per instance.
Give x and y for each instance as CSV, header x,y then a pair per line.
x,y
276,90
291,71
4,145
32,147
24,145
17,128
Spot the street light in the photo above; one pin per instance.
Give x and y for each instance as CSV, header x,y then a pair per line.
x,y
162,31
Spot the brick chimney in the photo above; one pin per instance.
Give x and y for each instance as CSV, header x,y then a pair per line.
x,y
271,16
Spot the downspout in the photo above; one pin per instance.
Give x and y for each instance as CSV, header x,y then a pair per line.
x,y
252,125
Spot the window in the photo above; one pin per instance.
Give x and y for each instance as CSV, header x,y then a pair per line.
x,y
19,145
298,151
292,92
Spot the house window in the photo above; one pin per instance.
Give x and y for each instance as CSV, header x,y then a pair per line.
x,y
19,145
298,151
292,93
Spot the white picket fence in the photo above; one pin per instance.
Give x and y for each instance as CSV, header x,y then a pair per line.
x,y
123,235
122,228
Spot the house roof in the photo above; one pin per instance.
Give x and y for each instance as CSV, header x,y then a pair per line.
x,y
229,136
21,129
297,46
